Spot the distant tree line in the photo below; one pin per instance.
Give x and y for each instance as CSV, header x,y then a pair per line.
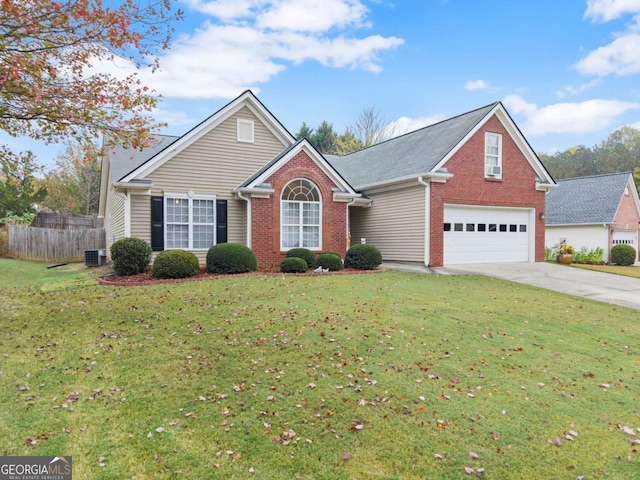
x,y
620,152
369,129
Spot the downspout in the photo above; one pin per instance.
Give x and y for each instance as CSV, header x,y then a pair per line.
x,y
350,202
248,200
427,222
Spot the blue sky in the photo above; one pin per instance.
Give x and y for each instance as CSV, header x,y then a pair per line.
x,y
568,71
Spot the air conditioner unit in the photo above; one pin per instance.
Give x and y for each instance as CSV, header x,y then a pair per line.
x,y
95,258
493,170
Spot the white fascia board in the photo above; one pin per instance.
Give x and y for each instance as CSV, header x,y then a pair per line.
x,y
514,132
315,157
437,177
596,224
545,187
246,99
634,192
346,197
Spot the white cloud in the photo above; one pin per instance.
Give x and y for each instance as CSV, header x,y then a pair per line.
x,y
312,15
404,125
570,90
621,57
472,85
248,42
607,10
635,125
582,117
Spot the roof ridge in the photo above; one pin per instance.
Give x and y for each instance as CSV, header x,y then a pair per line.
x,y
421,129
594,176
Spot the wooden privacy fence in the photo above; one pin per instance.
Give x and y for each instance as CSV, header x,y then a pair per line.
x,y
51,244
67,222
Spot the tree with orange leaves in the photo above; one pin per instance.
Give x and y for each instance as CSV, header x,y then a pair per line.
x,y
54,67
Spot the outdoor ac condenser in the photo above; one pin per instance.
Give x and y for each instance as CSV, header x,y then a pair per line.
x,y
95,258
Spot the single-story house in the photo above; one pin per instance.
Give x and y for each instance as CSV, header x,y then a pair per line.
x,y
594,211
467,189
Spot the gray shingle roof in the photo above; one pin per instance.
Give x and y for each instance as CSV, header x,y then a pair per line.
x,y
414,153
585,200
125,160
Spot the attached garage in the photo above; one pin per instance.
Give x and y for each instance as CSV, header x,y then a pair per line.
x,y
488,234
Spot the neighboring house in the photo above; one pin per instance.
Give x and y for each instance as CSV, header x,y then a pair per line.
x,y
595,211
468,189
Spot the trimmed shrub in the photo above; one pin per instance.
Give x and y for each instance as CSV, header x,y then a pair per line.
x,y
329,260
130,256
231,258
363,257
623,254
293,265
304,253
175,264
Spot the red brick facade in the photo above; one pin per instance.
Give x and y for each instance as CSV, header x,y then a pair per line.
x,y
265,213
627,218
469,186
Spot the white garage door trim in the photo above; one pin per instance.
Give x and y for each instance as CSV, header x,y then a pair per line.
x,y
482,234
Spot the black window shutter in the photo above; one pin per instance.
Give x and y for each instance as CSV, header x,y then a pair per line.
x,y
157,224
221,221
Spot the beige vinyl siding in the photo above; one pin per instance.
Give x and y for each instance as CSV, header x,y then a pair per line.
x,y
141,211
214,165
114,220
394,224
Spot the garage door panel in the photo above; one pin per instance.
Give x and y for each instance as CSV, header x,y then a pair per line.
x,y
485,235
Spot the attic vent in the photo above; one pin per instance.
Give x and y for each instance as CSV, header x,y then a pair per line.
x,y
94,258
245,131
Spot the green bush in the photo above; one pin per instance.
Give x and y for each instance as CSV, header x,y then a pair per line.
x,y
363,257
304,253
175,264
293,265
329,260
623,254
231,258
130,256
589,257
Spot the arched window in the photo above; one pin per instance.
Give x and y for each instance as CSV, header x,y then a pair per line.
x,y
300,215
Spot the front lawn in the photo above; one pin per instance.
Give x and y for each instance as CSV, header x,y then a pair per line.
x,y
388,375
630,271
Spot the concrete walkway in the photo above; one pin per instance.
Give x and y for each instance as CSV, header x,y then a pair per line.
x,y
603,287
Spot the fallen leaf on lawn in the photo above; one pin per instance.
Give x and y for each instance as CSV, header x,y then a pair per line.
x,y
149,435
437,456
346,456
469,470
159,429
495,435
473,455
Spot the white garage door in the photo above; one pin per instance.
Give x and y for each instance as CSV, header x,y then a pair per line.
x,y
486,235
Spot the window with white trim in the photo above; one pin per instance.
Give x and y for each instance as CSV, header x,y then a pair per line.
x,y
189,221
245,130
300,215
493,155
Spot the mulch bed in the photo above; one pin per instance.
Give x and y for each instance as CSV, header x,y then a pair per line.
x,y
146,278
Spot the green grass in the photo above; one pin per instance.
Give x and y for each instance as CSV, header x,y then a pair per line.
x,y
371,376
630,271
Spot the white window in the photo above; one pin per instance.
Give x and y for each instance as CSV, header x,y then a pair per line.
x,y
189,221
300,216
493,155
245,131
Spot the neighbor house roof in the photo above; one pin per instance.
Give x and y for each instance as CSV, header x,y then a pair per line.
x,y
586,200
413,154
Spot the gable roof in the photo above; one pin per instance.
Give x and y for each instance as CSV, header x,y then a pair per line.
x,y
426,150
586,200
126,160
258,178
151,158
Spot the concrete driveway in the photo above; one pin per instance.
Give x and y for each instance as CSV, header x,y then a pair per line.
x,y
603,287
